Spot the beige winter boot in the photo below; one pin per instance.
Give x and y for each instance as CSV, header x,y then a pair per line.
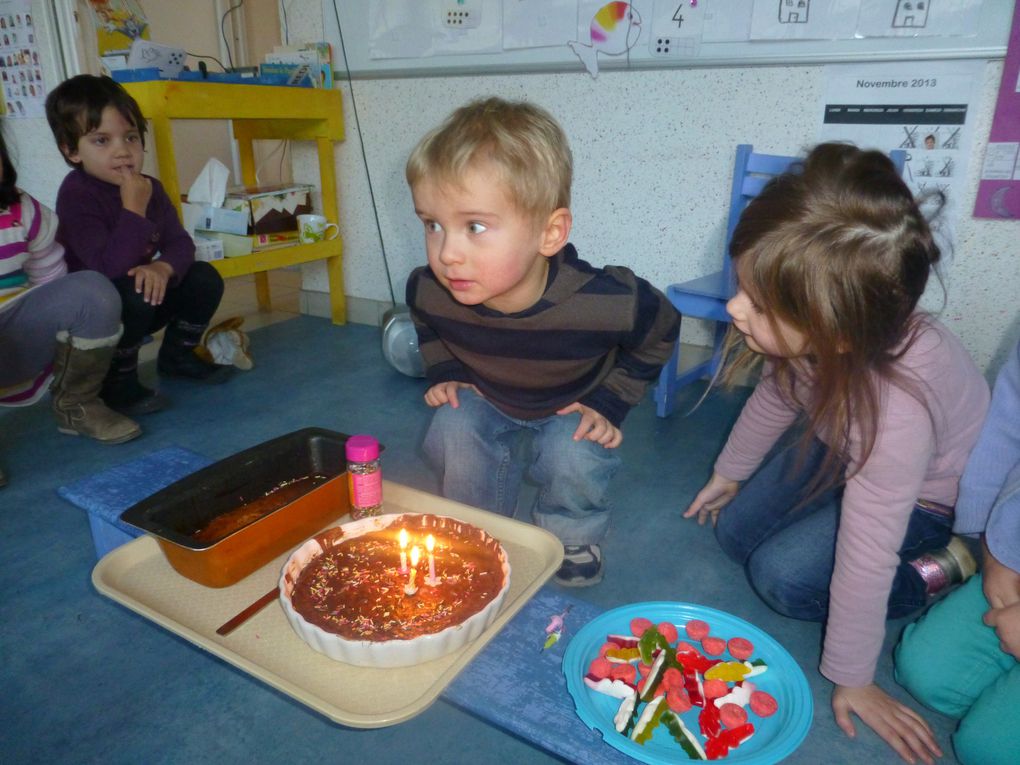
x,y
78,371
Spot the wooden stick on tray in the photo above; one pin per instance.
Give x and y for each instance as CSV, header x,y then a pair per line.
x,y
249,612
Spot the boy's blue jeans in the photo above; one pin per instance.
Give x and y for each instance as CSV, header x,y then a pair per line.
x,y
477,451
788,554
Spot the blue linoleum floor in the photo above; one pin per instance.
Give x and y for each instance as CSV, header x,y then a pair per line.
x,y
84,680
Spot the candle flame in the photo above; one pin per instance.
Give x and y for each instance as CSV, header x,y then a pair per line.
x,y
415,554
430,542
403,538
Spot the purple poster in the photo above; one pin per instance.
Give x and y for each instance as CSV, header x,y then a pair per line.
x,y
999,188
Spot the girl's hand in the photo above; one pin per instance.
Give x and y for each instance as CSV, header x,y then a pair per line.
x,y
1000,583
594,426
711,499
151,280
135,191
1006,622
902,728
446,393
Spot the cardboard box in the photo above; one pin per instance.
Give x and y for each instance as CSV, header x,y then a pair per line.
x,y
270,209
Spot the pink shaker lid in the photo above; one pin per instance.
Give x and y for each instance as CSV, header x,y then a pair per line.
x,y
362,448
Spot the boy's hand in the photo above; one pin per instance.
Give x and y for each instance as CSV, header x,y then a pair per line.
x,y
711,499
151,280
594,427
446,393
1001,584
902,728
1006,622
135,191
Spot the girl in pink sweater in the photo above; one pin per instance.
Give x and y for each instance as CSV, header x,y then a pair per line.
x,y
836,487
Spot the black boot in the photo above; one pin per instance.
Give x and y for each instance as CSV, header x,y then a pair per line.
x,y
123,392
177,357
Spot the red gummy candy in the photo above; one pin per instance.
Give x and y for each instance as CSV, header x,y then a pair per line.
x,y
638,625
673,678
600,668
734,737
732,715
678,700
668,631
740,648
697,629
714,689
684,646
694,661
708,721
714,646
607,647
625,672
763,704
716,749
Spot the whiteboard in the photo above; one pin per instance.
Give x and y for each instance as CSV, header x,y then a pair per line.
x,y
348,22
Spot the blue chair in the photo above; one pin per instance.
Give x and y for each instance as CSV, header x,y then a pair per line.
x,y
706,297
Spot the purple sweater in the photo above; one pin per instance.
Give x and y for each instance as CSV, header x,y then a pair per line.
x,y
98,234
915,456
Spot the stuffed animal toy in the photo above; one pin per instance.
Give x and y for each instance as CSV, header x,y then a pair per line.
x,y
226,343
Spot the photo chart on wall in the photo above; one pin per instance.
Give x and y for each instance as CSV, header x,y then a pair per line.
x,y
921,107
20,71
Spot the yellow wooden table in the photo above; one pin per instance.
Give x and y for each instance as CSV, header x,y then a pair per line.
x,y
256,112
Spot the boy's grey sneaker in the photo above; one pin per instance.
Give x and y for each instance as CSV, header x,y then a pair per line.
x,y
581,567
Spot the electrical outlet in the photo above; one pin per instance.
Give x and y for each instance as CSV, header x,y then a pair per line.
x,y
674,47
462,15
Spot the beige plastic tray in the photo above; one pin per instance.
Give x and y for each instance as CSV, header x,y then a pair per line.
x,y
138,576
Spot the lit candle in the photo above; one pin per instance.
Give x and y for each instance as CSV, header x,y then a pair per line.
x,y
410,588
403,553
430,543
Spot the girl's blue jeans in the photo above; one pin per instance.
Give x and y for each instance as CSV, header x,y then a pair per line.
x,y
482,458
788,552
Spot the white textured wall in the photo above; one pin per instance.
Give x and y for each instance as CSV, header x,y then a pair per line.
x,y
653,155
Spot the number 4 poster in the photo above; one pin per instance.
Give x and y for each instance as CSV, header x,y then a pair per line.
x,y
922,107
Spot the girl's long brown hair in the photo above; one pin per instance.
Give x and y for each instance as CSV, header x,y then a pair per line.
x,y
839,249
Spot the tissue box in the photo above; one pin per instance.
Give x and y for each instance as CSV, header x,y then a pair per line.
x,y
233,245
270,209
209,218
207,248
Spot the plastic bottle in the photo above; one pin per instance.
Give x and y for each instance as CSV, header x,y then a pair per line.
x,y
364,476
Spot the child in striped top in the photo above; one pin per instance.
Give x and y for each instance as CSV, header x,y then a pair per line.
x,y
518,334
42,309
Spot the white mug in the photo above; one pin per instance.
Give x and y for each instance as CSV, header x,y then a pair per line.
x,y
314,228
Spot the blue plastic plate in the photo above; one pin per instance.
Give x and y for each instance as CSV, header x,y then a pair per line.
x,y
775,737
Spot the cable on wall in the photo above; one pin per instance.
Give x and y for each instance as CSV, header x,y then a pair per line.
x,y
223,31
364,156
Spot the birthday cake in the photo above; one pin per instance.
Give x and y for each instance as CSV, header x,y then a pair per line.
x,y
394,590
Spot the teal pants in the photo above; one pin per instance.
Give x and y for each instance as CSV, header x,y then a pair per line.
x,y
951,661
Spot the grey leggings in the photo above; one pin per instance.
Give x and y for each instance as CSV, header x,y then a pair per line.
x,y
84,304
